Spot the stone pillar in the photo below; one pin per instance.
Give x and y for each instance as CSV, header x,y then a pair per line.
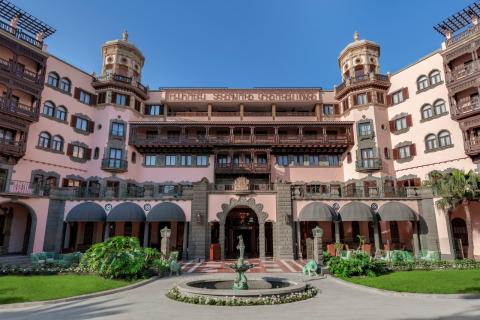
x,y
185,242
222,236
105,232
274,111
146,230
261,239
416,244
66,239
428,225
376,236
299,241
337,231
209,111
318,111
284,239
165,242
317,233
54,226
242,108
198,227
165,110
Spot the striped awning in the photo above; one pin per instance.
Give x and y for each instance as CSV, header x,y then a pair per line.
x,y
85,212
317,211
166,211
127,211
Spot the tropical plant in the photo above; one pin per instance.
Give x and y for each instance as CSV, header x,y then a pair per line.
x,y
455,188
359,264
118,257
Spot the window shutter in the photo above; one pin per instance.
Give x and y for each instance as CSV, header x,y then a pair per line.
x,y
413,150
70,149
91,126
389,99
65,182
73,121
114,97
405,93
417,182
337,109
395,154
93,100
349,157
409,120
369,97
127,101
392,125
88,153
137,105
76,93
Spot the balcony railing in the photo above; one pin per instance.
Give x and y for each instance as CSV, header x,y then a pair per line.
x,y
19,71
117,165
361,79
18,109
467,108
21,35
463,71
472,146
11,147
462,35
242,167
122,79
252,187
22,188
301,192
370,164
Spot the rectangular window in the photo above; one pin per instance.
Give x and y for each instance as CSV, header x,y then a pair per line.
x,y
404,152
102,97
121,99
115,159
361,99
365,129
328,109
151,135
186,161
169,188
397,97
6,135
367,158
313,160
298,159
85,97
282,160
150,160
71,183
170,160
380,97
333,160
78,152
314,188
202,161
222,159
81,124
262,159
118,129
401,124
153,110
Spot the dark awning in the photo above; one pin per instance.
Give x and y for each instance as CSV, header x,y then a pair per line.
x,y
127,211
166,211
87,211
317,211
396,211
356,211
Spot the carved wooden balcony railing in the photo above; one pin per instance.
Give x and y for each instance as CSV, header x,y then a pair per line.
x,y
360,81
12,148
472,146
462,72
465,109
20,72
13,107
120,79
462,35
242,168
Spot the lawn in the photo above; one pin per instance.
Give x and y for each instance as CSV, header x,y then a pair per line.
x,y
441,281
38,288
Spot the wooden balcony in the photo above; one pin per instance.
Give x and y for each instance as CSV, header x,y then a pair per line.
x,y
13,148
377,80
463,36
242,168
117,79
463,72
15,108
19,34
12,68
472,146
464,110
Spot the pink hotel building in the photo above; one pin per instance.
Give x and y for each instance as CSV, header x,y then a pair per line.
x,y
84,157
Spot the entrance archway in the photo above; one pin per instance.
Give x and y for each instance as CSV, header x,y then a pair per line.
x,y
460,237
241,222
18,223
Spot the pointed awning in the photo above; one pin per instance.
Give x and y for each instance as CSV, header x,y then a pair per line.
x,y
317,211
127,211
166,211
396,211
85,212
356,211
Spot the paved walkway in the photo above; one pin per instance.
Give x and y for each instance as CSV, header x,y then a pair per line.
x,y
261,266
335,301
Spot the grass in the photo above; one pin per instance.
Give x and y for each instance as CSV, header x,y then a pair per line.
x,y
441,281
39,288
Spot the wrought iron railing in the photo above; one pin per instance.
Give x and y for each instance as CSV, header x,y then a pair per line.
x,y
23,188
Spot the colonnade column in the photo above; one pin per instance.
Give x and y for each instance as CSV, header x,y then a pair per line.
x,y
261,239
66,239
185,241
146,234
299,241
416,244
105,232
222,239
337,231
376,236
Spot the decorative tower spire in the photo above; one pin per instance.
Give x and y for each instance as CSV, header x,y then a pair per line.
x,y
355,36
125,35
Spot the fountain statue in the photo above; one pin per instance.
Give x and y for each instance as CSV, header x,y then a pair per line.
x,y
240,267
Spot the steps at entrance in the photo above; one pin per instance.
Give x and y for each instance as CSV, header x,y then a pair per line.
x,y
16,260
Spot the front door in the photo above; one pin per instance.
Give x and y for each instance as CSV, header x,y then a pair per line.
x,y
241,222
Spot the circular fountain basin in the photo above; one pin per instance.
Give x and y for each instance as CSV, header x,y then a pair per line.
x,y
264,287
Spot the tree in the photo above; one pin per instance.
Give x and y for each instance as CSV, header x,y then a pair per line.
x,y
456,188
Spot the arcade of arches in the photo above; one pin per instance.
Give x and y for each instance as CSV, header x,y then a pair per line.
x,y
17,228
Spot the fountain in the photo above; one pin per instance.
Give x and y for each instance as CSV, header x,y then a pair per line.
x,y
221,288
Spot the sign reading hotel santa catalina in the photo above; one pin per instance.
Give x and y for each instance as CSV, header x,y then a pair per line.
x,y
242,96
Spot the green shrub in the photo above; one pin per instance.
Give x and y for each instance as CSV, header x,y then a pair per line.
x,y
119,257
359,264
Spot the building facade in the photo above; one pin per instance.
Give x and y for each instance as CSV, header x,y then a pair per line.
x,y
87,156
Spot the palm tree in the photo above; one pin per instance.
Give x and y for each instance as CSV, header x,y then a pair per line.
x,y
456,188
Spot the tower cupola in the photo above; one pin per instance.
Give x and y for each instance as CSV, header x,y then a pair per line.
x,y
359,58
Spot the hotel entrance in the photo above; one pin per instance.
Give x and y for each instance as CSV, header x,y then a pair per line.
x,y
244,222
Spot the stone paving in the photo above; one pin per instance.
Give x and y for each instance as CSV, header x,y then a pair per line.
x,y
261,266
335,301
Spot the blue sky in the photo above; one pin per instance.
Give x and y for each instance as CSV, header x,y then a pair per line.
x,y
242,43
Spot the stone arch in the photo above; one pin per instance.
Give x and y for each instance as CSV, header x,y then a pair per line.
x,y
33,225
261,216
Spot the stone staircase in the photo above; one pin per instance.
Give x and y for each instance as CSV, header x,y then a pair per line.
x,y
21,260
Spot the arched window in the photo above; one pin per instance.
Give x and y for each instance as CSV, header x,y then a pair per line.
x,y
435,77
439,107
444,138
61,113
422,82
52,79
57,143
96,153
427,111
48,109
65,85
431,142
44,140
